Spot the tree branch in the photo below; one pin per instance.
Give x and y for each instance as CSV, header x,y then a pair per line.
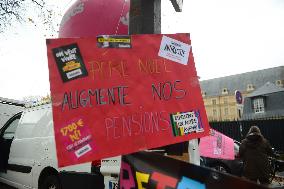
x,y
13,11
8,10
37,3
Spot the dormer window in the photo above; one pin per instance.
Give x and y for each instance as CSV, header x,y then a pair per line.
x,y
203,93
258,105
225,91
250,87
279,83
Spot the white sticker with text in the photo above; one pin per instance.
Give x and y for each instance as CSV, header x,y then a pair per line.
x,y
174,50
82,151
74,73
188,121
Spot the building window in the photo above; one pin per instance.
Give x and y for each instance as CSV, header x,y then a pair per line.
x,y
258,105
250,87
203,93
226,111
225,101
214,101
225,91
279,83
214,112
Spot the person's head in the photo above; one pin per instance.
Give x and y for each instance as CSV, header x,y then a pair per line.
x,y
254,131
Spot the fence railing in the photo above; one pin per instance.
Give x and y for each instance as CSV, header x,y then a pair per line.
x,y
272,129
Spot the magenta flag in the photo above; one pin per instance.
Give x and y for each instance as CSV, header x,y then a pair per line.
x,y
217,145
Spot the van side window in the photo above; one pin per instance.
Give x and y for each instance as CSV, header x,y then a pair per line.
x,y
9,133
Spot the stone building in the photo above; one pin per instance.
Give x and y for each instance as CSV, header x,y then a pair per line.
x,y
219,93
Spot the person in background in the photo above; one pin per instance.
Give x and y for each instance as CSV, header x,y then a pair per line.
x,y
254,151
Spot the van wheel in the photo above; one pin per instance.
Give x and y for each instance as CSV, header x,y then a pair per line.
x,y
221,168
51,182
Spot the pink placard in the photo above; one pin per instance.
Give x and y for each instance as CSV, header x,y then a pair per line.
x,y
217,145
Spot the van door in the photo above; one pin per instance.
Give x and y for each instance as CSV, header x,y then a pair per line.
x,y
7,134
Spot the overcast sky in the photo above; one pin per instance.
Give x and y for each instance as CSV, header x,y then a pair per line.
x,y
228,37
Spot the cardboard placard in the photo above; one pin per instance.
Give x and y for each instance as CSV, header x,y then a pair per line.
x,y
110,99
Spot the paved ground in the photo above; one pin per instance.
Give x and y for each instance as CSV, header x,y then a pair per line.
x,y
278,182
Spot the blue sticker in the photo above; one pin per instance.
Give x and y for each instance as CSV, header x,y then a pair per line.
x,y
187,183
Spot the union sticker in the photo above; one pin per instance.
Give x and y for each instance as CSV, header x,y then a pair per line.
x,y
184,123
76,138
69,62
174,50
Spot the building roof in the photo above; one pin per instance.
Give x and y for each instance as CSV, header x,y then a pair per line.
x,y
11,101
213,87
267,88
274,105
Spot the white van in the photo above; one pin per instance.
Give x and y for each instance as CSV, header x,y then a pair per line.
x,y
28,156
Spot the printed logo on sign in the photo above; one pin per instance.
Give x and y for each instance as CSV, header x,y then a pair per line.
x,y
69,62
218,145
114,41
174,50
184,123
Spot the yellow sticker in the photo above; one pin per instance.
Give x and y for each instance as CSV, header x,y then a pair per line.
x,y
72,65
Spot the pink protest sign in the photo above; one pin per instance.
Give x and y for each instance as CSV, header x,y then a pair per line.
x,y
217,145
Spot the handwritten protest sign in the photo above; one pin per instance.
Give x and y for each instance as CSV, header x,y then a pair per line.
x,y
114,95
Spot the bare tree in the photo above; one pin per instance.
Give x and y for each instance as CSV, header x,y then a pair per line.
x,y
36,12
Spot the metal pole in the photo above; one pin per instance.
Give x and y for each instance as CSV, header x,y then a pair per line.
x,y
145,15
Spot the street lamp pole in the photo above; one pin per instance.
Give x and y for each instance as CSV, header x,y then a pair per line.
x,y
145,15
